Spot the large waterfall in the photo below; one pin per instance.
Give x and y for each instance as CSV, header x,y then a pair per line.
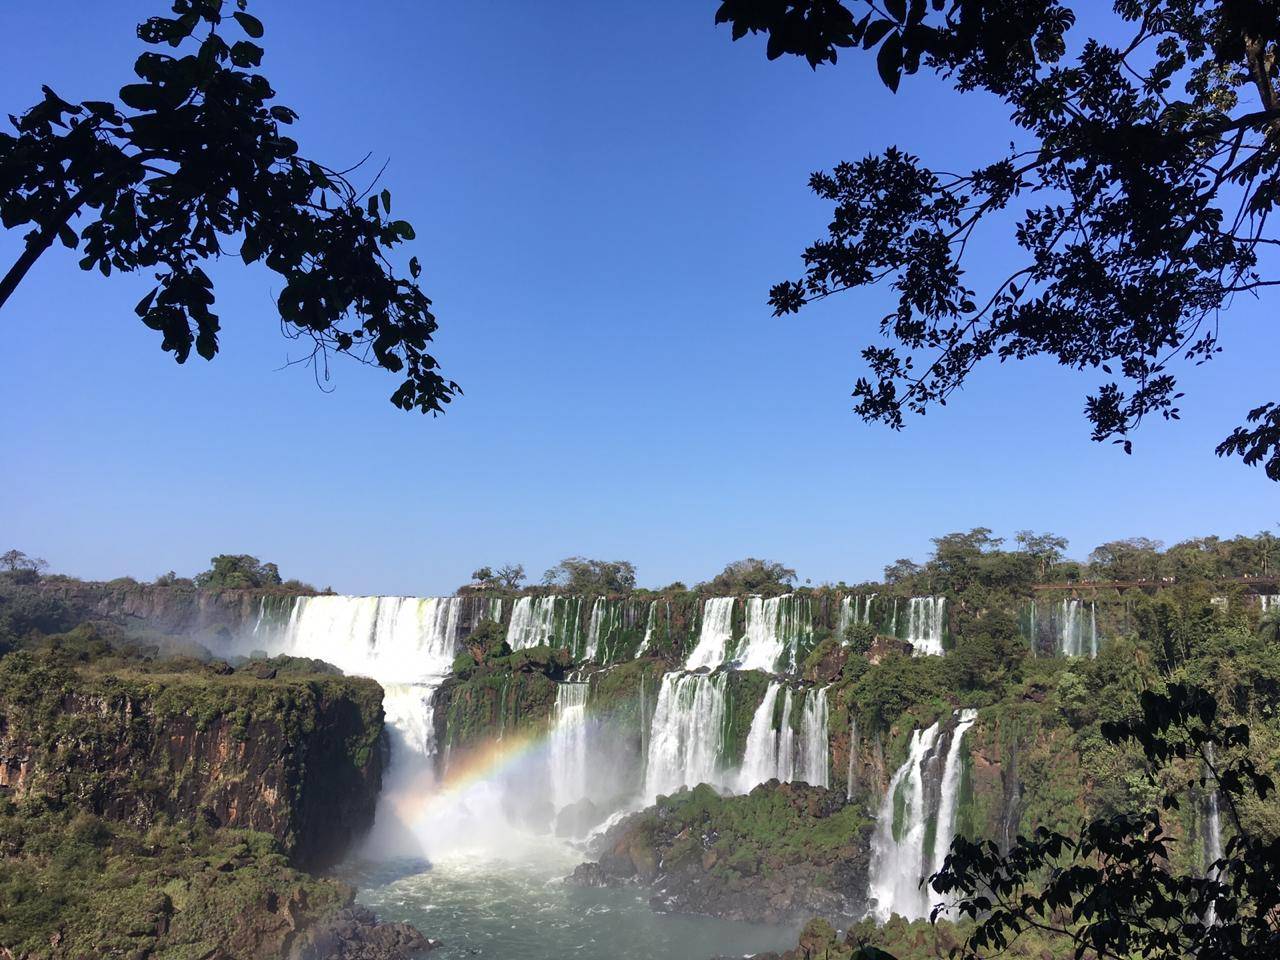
x,y
925,625
533,622
1268,602
687,735
916,821
400,640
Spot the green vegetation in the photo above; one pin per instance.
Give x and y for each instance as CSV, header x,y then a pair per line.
x,y
750,576
578,575
94,888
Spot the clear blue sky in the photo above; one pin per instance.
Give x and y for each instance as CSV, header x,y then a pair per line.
x,y
603,194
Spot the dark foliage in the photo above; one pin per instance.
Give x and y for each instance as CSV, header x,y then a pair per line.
x,y
193,159
1142,187
1110,888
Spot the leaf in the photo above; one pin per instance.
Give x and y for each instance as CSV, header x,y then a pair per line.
x,y
386,200
142,96
249,23
875,33
68,237
889,62
145,303
897,9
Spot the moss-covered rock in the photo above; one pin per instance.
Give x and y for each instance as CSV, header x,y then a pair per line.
x,y
778,854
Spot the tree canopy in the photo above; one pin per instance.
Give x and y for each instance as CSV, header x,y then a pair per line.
x,y
1142,180
751,575
238,571
191,163
584,576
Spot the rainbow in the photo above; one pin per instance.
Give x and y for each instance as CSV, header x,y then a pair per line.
x,y
425,794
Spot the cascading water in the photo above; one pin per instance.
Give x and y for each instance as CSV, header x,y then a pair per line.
x,y
715,635
649,623
925,625
775,628
814,768
599,628
920,796
897,846
1212,837
686,737
776,750
760,758
533,622
567,753
854,609
945,831
1268,602
1075,639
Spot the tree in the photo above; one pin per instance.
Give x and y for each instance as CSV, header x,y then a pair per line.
x,y
1141,190
751,576
1045,548
15,560
901,571
511,576
238,571
1111,889
583,576
1136,558
507,577
193,160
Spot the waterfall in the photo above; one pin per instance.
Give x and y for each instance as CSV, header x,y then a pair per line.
x,y
814,750
600,627
396,639
533,622
853,609
925,625
568,744
648,629
918,809
1268,602
897,846
786,740
715,635
774,630
776,750
951,772
686,738
1072,630
1212,838
760,758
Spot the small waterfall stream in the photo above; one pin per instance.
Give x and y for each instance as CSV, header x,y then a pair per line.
x,y
925,625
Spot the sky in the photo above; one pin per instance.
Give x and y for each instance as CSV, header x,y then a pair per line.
x,y
603,194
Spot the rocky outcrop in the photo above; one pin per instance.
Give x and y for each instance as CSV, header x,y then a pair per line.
x,y
296,756
782,853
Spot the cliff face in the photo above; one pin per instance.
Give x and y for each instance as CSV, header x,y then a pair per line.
x,y
170,609
296,757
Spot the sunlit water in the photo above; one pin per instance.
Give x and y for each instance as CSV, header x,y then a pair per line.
x,y
522,909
